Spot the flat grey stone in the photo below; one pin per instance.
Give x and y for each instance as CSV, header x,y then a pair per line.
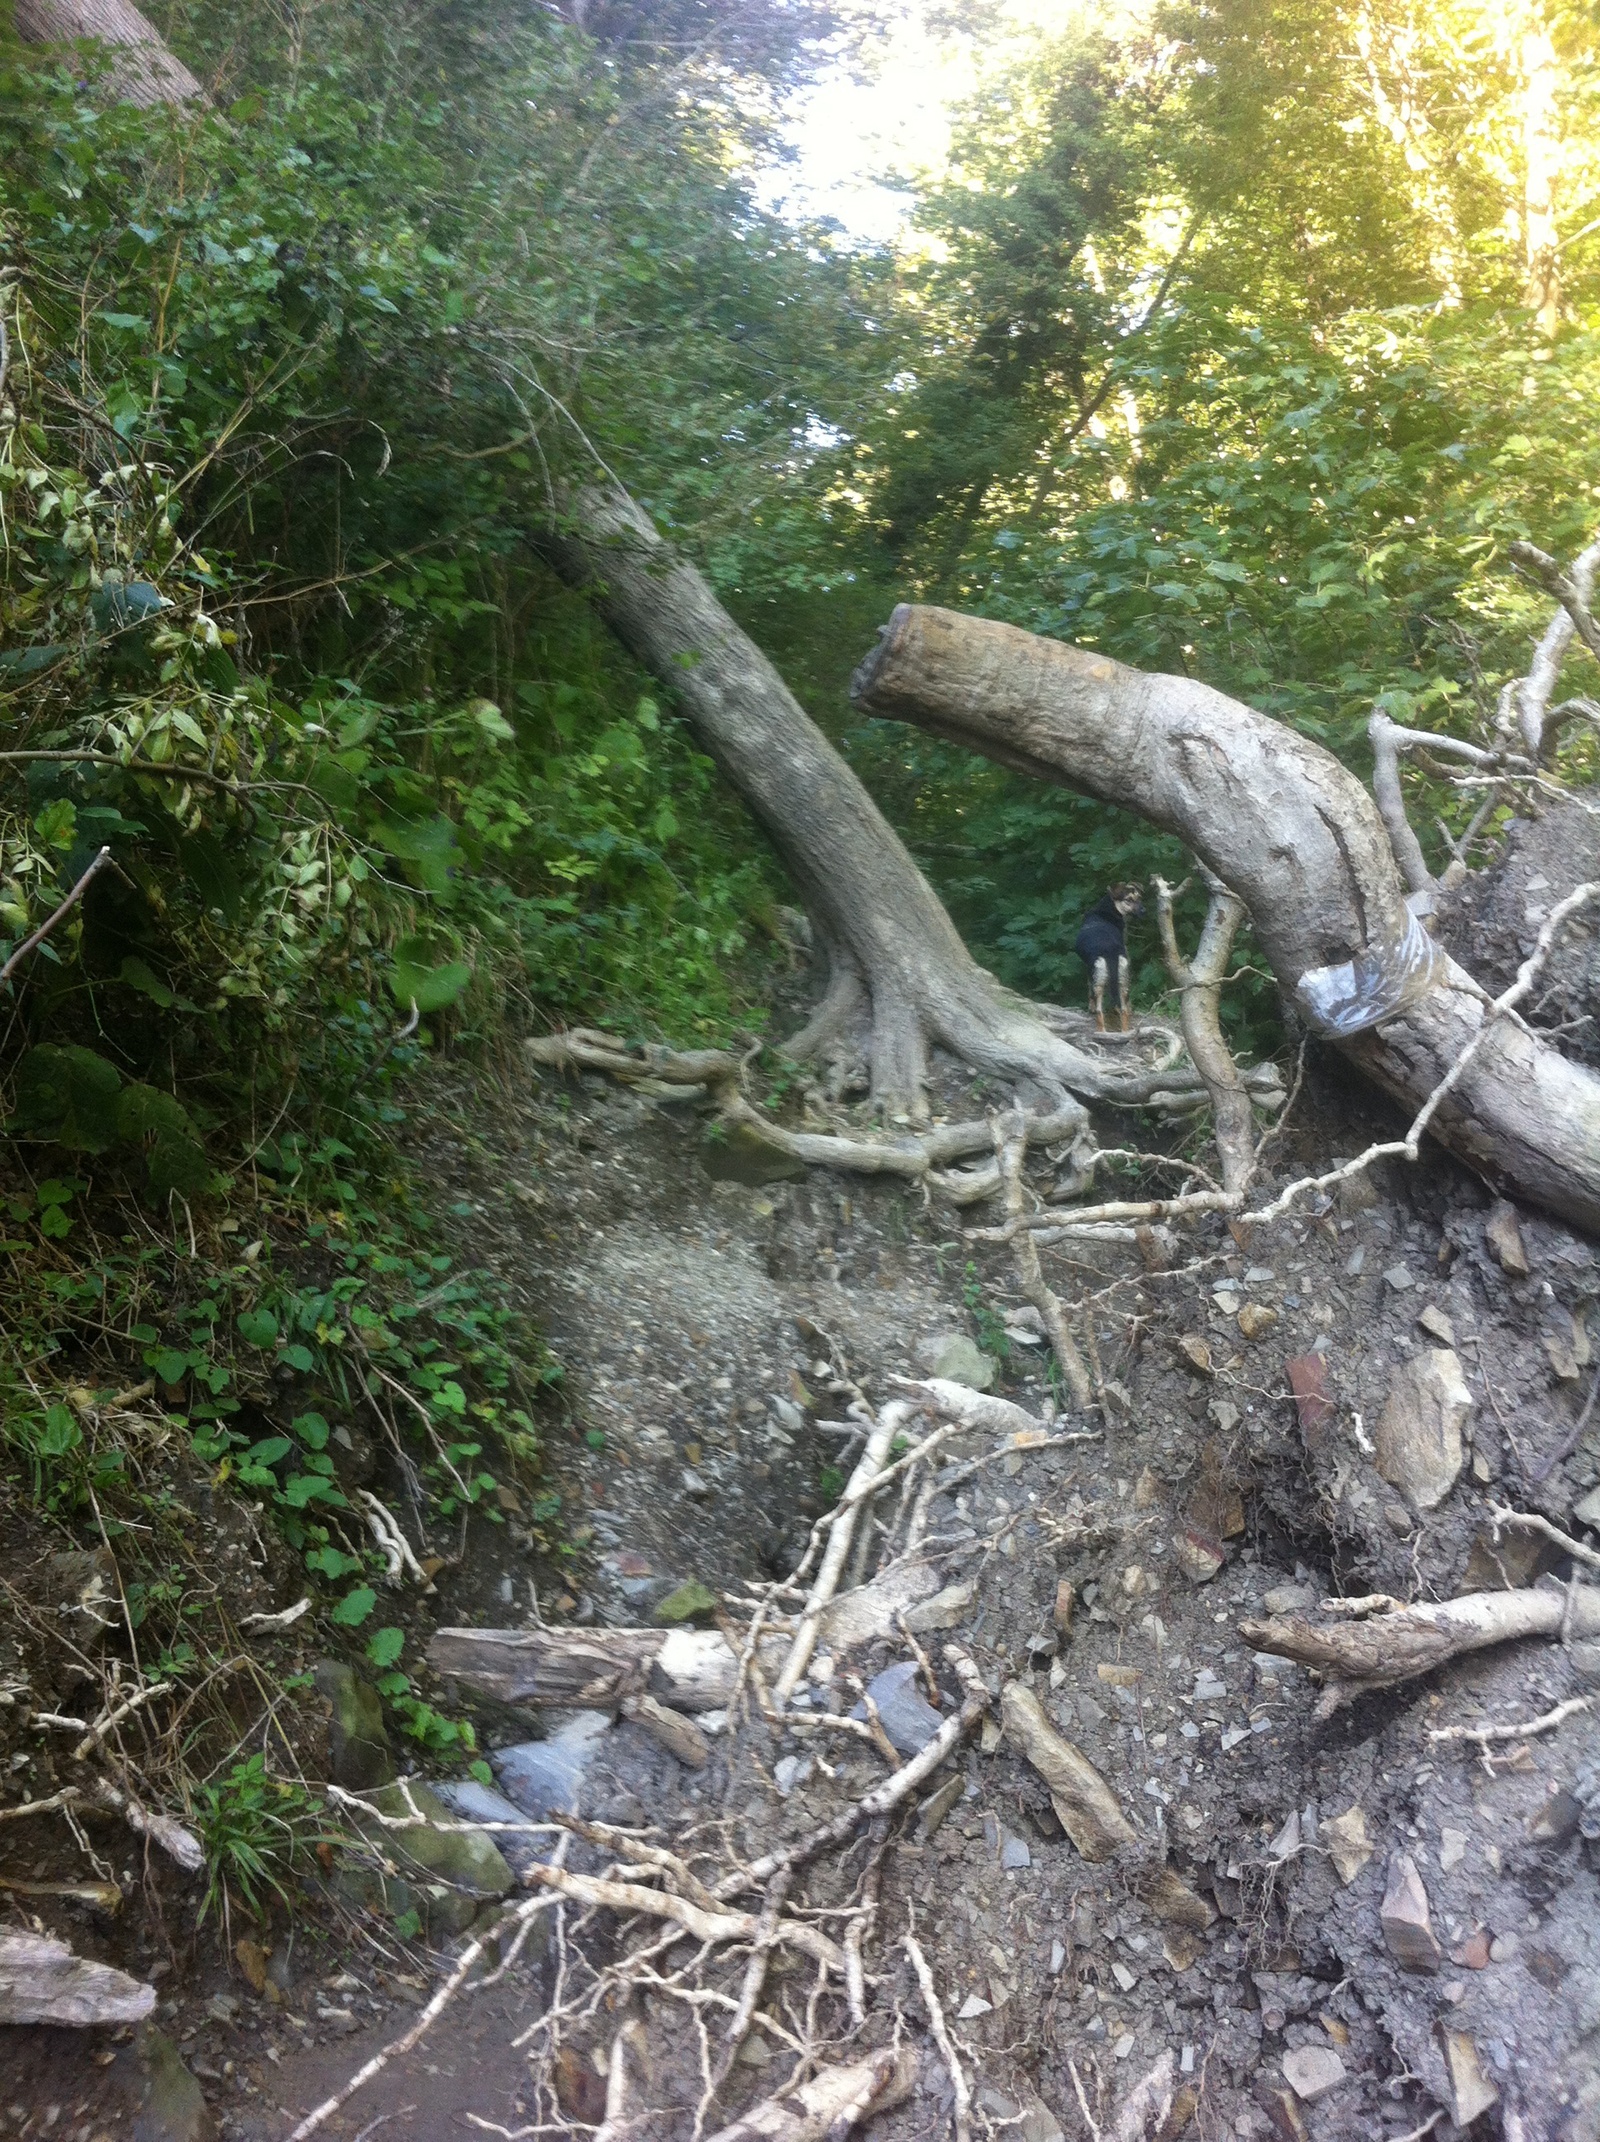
x,y
1311,2071
1418,1436
544,1776
469,1801
964,1362
1014,1854
908,1719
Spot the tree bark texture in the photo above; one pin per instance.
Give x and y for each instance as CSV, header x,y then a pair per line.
x,y
143,69
1295,835
898,966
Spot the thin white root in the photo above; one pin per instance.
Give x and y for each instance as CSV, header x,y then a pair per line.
x,y
869,1466
392,1542
1148,2103
441,2000
115,1715
1519,1729
285,1620
710,1926
1010,1146
942,2039
1530,1521
883,1798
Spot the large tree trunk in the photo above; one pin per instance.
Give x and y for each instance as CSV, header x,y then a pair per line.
x,y
142,67
900,975
1297,838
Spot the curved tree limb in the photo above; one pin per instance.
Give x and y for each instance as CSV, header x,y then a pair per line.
x,y
892,947
1295,835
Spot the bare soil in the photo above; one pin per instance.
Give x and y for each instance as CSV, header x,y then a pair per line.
x,y
701,1323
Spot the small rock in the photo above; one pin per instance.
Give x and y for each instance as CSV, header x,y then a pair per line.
x,y
1311,2071
1207,1687
1471,2091
251,1958
964,1362
1181,1949
1061,1612
1504,1947
457,1869
1473,1954
1123,2046
694,1483
1452,1849
1289,1599
1557,1821
1398,1518
1287,1842
1197,1556
973,2006
1125,1978
1038,2123
1195,1351
1256,1320
755,2051
1437,1325
1282,2108
1587,1511
1399,1278
908,1719
1058,1958
1504,1237
172,2106
1403,1916
690,1601
1146,1490
1014,1855
790,1771
938,1804
1419,1447
1308,1380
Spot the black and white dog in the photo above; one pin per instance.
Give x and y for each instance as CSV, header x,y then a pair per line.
x,y
1102,945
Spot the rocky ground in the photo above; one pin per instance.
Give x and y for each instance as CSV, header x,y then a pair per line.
x,y
1369,1929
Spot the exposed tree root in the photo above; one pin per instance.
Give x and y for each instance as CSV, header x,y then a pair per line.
x,y
1387,1648
830,2104
1199,981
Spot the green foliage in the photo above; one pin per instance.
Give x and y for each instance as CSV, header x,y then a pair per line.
x,y
257,1831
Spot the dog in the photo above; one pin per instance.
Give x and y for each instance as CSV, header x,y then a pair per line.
x,y
1102,945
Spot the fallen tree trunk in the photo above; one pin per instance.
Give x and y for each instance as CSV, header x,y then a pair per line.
x,y
1297,837
900,977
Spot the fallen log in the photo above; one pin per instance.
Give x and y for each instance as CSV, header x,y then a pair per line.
x,y
1298,839
1354,1656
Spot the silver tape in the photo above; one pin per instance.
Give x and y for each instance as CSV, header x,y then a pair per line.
x,y
1363,992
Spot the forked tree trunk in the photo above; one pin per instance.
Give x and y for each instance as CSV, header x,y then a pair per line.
x,y
900,976
142,68
1299,840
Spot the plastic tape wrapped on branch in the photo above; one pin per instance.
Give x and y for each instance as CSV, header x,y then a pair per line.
x,y
1375,985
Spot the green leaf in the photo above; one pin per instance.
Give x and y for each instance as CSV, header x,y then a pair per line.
x,y
137,975
258,1327
269,1451
332,1562
306,1488
170,1366
354,1607
492,722
298,1357
480,1770
417,980
312,1430
384,1646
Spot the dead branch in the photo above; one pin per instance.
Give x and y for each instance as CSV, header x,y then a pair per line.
x,y
708,1926
1540,566
942,2038
1010,1146
1523,704
869,1466
1530,1521
1390,1648
101,862
180,1845
1519,1729
884,1797
830,2104
1086,1807
1199,981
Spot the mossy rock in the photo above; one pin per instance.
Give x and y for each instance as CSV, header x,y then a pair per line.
x,y
738,1153
359,1756
692,1601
